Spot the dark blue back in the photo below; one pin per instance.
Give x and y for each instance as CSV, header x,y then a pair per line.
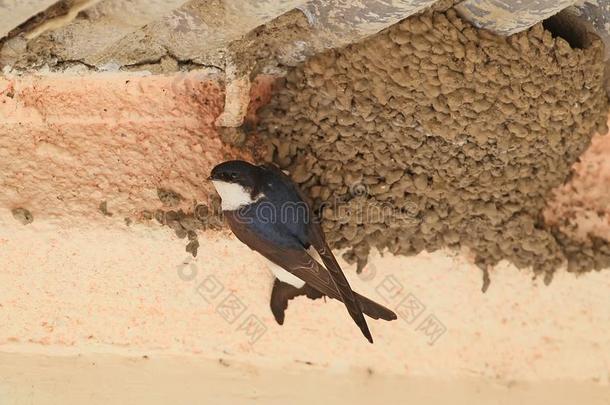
x,y
281,216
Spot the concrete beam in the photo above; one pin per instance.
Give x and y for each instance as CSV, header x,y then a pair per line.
x,y
15,12
74,9
106,23
507,17
193,31
339,23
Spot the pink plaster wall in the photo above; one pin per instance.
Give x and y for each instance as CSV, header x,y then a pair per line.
x,y
68,142
585,199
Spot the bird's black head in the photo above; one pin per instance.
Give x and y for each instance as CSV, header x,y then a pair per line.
x,y
236,172
237,183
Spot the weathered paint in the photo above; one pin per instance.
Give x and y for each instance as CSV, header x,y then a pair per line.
x,y
193,31
339,23
506,17
15,12
107,22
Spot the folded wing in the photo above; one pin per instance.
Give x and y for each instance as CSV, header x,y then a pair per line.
x,y
303,266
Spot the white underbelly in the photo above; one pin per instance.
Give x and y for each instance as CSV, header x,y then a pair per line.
x,y
286,276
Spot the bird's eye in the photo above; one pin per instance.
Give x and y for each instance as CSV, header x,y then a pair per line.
x,y
233,176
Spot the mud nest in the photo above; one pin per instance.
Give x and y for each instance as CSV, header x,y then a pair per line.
x,y
457,134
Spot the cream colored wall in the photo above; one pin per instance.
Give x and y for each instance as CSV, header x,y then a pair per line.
x,y
104,379
112,295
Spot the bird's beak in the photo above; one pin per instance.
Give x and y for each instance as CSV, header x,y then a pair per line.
x,y
210,178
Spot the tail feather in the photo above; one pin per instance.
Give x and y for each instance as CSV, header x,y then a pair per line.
x,y
283,292
375,310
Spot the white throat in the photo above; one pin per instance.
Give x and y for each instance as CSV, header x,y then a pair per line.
x,y
233,195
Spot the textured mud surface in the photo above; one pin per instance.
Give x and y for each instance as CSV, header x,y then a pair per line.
x,y
186,224
22,215
458,135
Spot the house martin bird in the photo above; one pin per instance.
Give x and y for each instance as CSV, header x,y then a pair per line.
x,y
267,212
